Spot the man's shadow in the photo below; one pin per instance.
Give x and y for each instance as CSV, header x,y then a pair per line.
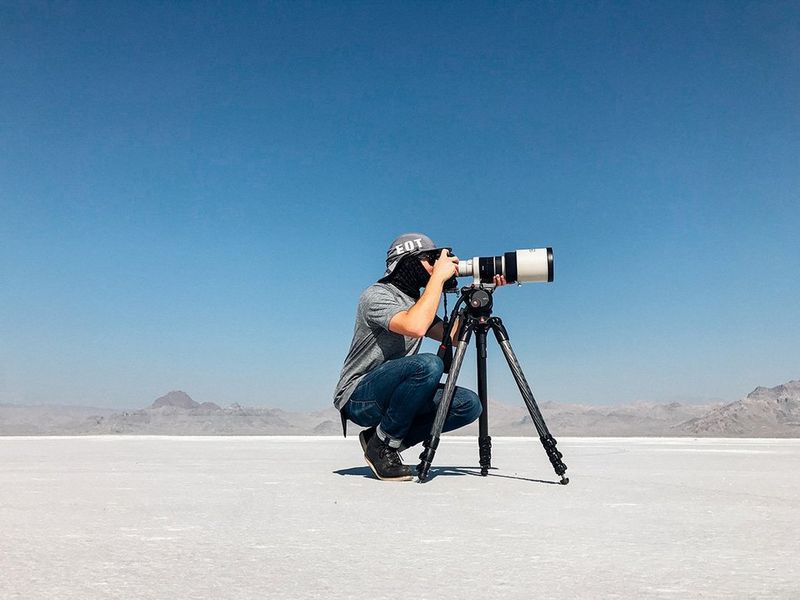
x,y
443,471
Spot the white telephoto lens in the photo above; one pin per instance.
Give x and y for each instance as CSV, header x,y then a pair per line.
x,y
534,264
522,266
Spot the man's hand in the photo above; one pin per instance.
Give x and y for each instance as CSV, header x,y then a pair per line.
x,y
445,267
500,280
416,321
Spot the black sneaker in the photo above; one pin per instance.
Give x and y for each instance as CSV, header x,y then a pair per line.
x,y
365,436
385,461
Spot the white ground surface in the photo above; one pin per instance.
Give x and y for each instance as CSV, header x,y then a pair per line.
x,y
265,517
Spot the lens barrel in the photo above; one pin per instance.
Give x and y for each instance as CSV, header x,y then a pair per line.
x,y
532,264
488,267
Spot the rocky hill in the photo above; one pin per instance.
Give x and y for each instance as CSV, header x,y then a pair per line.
x,y
177,399
177,414
763,412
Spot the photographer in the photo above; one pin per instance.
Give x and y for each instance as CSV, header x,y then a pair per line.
x,y
385,385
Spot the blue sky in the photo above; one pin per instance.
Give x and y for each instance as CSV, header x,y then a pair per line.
x,y
193,195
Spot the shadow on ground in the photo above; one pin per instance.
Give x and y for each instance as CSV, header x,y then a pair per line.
x,y
445,471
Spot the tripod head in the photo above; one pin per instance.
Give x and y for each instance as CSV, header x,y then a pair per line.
x,y
475,302
478,300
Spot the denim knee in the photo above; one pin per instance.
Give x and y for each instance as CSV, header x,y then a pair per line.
x,y
471,406
427,366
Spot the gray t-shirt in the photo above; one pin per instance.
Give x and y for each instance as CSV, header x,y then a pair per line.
x,y
373,344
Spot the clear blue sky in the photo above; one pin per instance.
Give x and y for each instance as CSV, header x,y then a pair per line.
x,y
193,195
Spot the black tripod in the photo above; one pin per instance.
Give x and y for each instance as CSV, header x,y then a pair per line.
x,y
477,317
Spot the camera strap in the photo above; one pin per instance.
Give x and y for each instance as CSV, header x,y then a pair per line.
x,y
446,346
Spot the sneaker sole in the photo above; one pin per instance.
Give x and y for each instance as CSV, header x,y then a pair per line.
x,y
375,472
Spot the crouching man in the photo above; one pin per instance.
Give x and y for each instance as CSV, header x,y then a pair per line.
x,y
385,385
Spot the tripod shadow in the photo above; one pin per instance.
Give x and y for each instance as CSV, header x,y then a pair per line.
x,y
446,471
476,472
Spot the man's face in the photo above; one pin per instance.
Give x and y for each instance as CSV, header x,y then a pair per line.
x,y
427,260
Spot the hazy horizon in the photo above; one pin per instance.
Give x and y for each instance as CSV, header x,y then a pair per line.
x,y
193,196
512,401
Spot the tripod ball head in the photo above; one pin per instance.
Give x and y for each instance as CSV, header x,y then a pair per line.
x,y
480,298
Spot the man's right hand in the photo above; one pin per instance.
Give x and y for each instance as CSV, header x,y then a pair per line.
x,y
416,321
445,267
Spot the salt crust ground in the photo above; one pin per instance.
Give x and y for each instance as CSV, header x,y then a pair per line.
x,y
267,517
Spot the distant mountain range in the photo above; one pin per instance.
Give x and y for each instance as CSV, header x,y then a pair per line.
x,y
765,412
768,412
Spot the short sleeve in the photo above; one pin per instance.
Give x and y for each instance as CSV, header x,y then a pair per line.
x,y
380,306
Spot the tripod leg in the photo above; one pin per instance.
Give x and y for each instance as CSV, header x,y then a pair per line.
x,y
484,440
548,441
430,444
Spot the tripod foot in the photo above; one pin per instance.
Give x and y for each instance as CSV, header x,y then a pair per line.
x,y
485,454
422,472
425,460
564,480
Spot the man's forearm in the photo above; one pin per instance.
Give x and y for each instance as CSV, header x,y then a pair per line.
x,y
423,312
417,320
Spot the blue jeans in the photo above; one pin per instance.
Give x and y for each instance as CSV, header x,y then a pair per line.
x,y
402,396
